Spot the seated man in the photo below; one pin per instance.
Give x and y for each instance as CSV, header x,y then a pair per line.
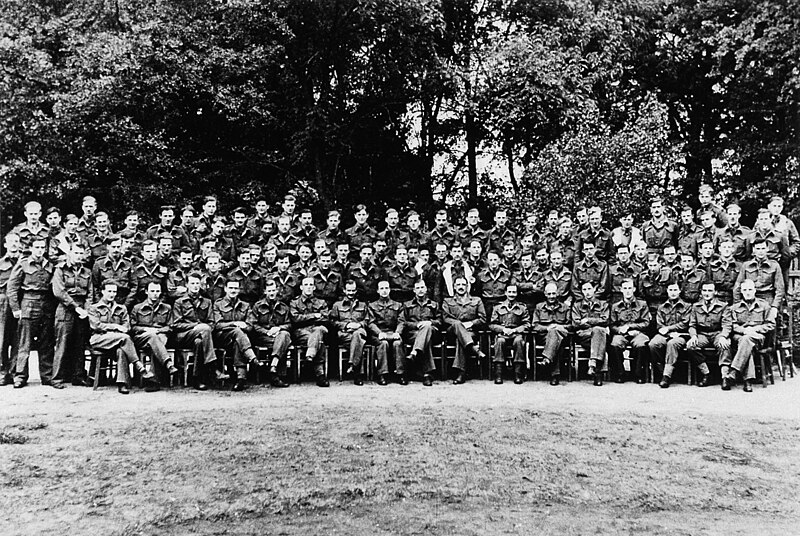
x,y
386,327
230,327
309,316
420,317
351,318
270,322
150,326
752,319
464,316
628,321
510,321
551,320
710,324
190,322
590,321
672,325
110,325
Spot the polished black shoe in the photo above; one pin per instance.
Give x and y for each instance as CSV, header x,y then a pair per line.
x,y
726,383
358,380
498,380
460,379
402,380
277,381
704,380
240,385
664,383
123,389
555,380
598,380
427,381
322,381
519,379
58,385
200,386
747,387
382,380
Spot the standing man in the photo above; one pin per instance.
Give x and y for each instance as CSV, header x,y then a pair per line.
x,y
492,282
32,228
8,323
270,321
309,316
765,274
351,318
421,318
72,287
114,266
166,227
630,318
362,231
510,321
464,316
659,231
31,300
598,235
146,272
590,268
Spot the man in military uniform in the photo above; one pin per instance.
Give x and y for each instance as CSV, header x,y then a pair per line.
x,y
687,232
691,278
736,232
672,325
442,233
421,318
8,323
110,325
98,238
88,217
765,273
239,232
166,227
710,325
205,221
131,231
559,275
32,228
285,240
551,320
150,328
653,283
590,268
565,242
72,287
386,328
213,279
146,272
464,316
491,283
472,230
332,234
414,235
659,231
177,277
306,231
288,283
598,235
752,320
31,300
764,231
230,331
114,267
309,318
628,322
724,271
705,196
590,322
362,231
350,316
500,234
270,323
327,282
530,282
60,245
621,270
190,322
251,281
392,234
452,269
510,320
366,274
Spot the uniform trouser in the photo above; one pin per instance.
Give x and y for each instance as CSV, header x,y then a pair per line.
x,y
313,339
743,360
639,352
126,351
706,340
594,339
199,339
466,341
279,348
155,344
72,334
382,352
36,322
8,338
664,352
516,341
235,340
421,345
356,340
553,339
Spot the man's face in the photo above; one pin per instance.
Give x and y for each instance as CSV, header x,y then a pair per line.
x,y
509,252
217,227
213,264
707,250
626,222
244,259
541,256
582,216
475,250
165,247
325,262
413,254
526,261
71,226
424,256
440,220
704,197
365,255
261,207
420,289
413,222
206,249
527,242
734,213
78,253
640,250
530,224
511,293
307,287
493,260
54,219
167,217
686,217
153,292
627,290
383,289
333,221
283,226
270,255
132,221
673,291
12,243
239,219
342,251
687,263
441,252
460,286
472,218
193,286
760,251
185,259
319,248
653,265
551,293
726,250
401,256
552,220
255,253
589,251
109,293
187,217
380,247
595,220
457,253
565,229
115,248
361,217
33,214
748,290
150,252
392,220
707,220
350,291
764,221
556,260
289,206
102,223
232,290
623,255
271,291
656,209
304,253
707,292
283,264
210,208
500,218
126,244
670,255
306,220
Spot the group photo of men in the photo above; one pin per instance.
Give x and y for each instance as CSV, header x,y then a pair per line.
x,y
391,294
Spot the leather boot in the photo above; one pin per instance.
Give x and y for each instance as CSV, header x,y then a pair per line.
x,y
498,373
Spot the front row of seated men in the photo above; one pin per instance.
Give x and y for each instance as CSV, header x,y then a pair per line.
x,y
195,323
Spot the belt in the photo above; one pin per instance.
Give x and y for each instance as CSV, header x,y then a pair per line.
x,y
33,294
